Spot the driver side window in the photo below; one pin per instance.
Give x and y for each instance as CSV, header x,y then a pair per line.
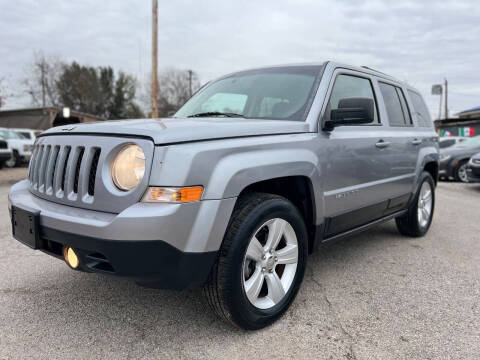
x,y
352,92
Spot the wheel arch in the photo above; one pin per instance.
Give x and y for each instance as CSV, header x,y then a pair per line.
x,y
297,189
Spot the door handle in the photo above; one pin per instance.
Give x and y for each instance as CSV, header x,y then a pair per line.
x,y
382,144
416,141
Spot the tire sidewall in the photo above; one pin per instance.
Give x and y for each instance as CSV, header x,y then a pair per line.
x,y
242,310
426,177
457,169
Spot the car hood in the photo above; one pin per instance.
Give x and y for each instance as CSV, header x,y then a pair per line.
x,y
455,151
19,142
476,156
174,130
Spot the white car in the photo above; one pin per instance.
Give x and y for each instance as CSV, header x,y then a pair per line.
x,y
20,146
5,152
30,134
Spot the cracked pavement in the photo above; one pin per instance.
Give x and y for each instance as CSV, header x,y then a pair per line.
x,y
376,295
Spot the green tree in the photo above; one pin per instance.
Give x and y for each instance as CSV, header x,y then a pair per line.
x,y
96,90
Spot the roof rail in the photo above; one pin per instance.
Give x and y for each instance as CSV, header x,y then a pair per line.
x,y
369,68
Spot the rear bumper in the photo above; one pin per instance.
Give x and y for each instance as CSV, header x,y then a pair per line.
x,y
160,245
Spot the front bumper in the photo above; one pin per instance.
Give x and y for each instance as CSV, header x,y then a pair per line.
x,y
160,245
445,169
473,173
5,155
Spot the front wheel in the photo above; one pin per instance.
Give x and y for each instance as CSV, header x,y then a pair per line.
x,y
14,160
461,172
417,220
261,262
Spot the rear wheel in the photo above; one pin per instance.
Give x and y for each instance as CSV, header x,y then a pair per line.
x,y
418,219
261,262
461,172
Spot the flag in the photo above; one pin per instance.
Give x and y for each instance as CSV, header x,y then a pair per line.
x,y
467,131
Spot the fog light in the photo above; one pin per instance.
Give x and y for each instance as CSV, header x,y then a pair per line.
x,y
70,257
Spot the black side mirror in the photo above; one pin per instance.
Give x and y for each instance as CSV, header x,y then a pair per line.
x,y
351,111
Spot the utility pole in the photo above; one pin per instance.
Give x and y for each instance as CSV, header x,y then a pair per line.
x,y
440,107
154,59
446,99
190,74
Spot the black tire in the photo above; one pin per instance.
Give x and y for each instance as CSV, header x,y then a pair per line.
x,y
409,224
456,172
224,289
2,164
14,160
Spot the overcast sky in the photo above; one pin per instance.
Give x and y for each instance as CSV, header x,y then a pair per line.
x,y
420,42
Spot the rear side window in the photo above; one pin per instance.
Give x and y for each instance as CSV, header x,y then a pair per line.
x,y
420,109
352,91
397,109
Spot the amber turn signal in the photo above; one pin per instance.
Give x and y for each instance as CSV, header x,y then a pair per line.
x,y
173,194
70,257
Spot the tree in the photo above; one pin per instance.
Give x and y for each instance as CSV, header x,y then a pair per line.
x,y
41,78
175,87
96,90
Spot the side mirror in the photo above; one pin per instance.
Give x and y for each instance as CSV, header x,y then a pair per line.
x,y
351,111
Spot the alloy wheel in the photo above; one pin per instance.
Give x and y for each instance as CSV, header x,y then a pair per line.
x,y
270,263
462,173
424,204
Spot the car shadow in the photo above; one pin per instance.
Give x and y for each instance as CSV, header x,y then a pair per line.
x,y
101,303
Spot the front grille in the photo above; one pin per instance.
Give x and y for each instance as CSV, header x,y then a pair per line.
x,y
74,170
54,169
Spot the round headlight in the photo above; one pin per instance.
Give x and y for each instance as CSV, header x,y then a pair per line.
x,y
128,167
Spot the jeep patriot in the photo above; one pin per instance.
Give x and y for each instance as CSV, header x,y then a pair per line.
x,y
256,171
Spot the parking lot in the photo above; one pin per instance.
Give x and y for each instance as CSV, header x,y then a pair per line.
x,y
375,296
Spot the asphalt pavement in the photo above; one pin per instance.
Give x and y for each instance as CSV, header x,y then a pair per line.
x,y
377,295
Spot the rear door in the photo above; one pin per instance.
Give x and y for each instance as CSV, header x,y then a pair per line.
x,y
404,142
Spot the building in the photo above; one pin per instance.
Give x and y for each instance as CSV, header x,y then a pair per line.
x,y
467,124
43,118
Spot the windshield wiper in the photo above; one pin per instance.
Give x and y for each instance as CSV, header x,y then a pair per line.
x,y
216,113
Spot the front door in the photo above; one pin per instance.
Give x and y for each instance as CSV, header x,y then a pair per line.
x,y
354,165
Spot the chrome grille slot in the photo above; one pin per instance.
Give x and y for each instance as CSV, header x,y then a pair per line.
x,y
81,151
93,171
43,168
64,166
75,170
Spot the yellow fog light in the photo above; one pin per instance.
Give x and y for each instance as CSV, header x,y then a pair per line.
x,y
70,257
173,194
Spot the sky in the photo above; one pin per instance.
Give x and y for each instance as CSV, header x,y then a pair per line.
x,y
420,42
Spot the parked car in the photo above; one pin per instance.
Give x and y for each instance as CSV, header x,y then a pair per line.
x,y
5,152
446,142
473,168
251,175
30,134
454,160
21,147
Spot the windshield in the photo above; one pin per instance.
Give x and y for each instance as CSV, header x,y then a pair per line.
x,y
469,142
8,134
283,93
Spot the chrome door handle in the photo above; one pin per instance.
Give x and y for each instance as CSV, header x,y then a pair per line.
x,y
416,141
382,144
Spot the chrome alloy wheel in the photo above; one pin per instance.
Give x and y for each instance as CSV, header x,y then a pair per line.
x,y
424,204
270,263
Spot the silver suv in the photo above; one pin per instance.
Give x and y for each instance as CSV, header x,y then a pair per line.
x,y
250,176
